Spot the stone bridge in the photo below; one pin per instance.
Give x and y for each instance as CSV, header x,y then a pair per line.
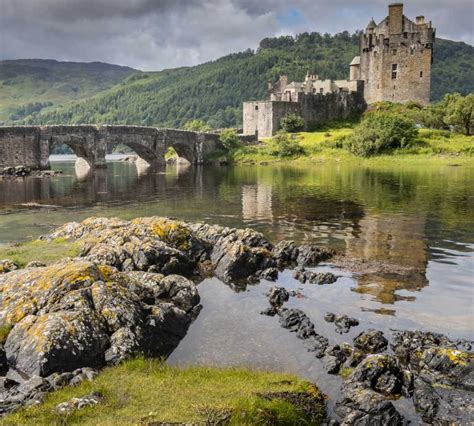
x,y
31,146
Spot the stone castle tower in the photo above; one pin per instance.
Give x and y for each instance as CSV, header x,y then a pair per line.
x,y
395,59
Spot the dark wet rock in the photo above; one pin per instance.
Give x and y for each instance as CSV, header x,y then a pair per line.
x,y
329,317
334,358
311,255
271,311
277,296
286,253
371,341
68,407
311,277
297,321
7,265
317,344
343,323
362,406
3,361
270,274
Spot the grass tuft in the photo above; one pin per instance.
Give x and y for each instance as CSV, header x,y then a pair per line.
x,y
146,391
41,251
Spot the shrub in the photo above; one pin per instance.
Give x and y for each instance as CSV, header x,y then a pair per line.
x,y
292,123
381,131
230,139
283,145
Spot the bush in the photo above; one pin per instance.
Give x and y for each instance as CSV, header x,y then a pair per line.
x,y
292,123
230,139
381,131
283,145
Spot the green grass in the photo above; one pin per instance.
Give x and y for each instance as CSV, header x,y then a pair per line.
x,y
39,250
144,391
328,145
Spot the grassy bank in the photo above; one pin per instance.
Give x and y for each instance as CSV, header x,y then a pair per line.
x,y
149,392
328,145
39,250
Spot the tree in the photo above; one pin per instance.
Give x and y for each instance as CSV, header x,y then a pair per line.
x,y
196,126
382,131
460,111
230,139
292,123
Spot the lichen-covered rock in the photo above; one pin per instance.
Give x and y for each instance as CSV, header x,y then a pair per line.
x,y
7,265
77,313
444,375
371,341
368,390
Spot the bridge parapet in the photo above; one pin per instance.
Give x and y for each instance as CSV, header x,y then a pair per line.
x,y
31,145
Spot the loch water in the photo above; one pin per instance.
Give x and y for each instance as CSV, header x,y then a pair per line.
x,y
419,215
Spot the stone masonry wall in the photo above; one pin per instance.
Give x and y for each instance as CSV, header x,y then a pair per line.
x,y
316,109
31,146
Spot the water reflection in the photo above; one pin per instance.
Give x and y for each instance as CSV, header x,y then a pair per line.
x,y
406,219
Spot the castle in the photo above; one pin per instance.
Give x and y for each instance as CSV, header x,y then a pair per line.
x,y
394,65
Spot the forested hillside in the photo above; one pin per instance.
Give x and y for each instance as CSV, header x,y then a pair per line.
x,y
215,91
30,85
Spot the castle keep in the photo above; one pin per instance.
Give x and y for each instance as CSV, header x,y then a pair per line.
x,y
394,65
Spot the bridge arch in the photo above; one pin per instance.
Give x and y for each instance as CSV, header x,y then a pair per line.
x,y
184,150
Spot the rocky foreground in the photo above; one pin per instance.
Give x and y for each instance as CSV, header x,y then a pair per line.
x,y
132,292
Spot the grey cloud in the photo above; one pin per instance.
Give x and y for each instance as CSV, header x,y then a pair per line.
x,y
156,34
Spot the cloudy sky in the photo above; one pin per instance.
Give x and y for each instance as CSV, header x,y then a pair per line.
x,y
157,34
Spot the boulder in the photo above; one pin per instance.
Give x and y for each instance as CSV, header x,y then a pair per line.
x,y
77,313
371,341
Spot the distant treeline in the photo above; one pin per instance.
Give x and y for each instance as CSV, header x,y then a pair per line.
x,y
214,91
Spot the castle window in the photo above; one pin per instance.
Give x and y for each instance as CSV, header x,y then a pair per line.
x,y
421,74
394,51
321,91
405,35
256,107
394,71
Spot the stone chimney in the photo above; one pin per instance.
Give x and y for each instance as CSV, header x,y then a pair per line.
x,y
420,20
395,18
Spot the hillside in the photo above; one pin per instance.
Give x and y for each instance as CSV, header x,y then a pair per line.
x,y
29,85
214,91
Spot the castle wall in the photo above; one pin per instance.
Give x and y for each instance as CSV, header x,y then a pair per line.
x,y
315,109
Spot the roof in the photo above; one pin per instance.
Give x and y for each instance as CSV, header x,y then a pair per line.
x,y
356,60
371,24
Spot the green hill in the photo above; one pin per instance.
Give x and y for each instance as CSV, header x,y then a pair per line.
x,y
29,85
214,91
